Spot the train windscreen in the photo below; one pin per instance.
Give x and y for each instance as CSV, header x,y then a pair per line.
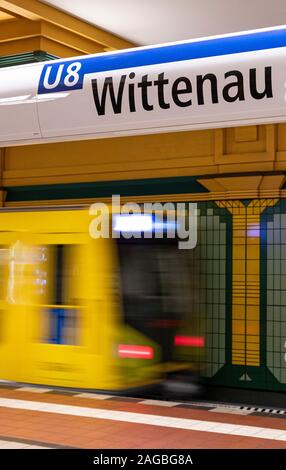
x,y
156,289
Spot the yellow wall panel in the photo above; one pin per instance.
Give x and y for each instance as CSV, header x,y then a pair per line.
x,y
120,158
234,145
281,137
252,327
209,152
115,150
239,252
238,327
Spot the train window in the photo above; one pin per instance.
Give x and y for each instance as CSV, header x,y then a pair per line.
x,y
61,317
61,325
155,287
4,268
157,274
63,274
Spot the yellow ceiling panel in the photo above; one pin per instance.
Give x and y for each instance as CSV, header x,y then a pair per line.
x,y
5,16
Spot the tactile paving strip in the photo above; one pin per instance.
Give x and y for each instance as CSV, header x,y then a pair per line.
x,y
214,407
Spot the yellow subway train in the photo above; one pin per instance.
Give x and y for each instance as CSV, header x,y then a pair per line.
x,y
92,313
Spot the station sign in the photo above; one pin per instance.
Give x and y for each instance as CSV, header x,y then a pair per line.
x,y
221,81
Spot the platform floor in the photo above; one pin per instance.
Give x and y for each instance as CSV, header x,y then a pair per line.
x,y
42,418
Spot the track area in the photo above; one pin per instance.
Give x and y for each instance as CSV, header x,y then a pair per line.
x,y
32,417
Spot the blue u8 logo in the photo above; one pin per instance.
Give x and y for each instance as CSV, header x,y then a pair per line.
x,y
61,77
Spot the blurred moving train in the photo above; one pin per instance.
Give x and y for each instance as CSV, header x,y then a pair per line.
x,y
104,314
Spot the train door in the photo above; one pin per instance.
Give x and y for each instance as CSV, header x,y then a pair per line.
x,y
157,298
8,337
55,314
151,307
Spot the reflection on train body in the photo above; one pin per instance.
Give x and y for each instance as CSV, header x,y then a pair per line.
x,y
94,314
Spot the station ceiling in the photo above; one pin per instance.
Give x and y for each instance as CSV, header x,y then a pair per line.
x,y
145,22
